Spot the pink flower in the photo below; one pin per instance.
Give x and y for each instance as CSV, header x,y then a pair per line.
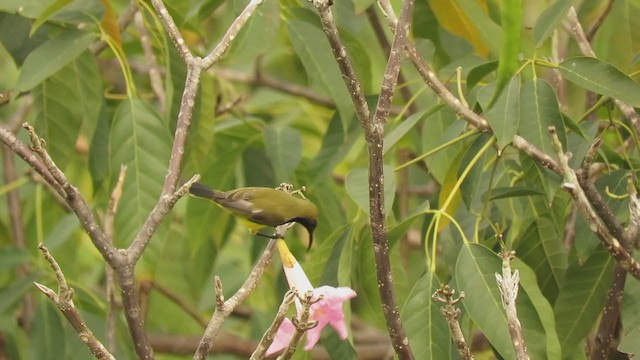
x,y
327,309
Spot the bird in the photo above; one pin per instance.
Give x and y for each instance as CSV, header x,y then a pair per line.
x,y
258,208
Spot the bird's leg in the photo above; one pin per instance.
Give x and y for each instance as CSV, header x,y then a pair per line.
x,y
274,236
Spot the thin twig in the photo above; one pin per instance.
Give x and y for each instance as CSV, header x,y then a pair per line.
x,y
378,30
9,139
574,27
456,105
508,284
596,24
64,302
224,308
451,313
270,334
232,33
172,30
571,184
156,216
302,324
73,197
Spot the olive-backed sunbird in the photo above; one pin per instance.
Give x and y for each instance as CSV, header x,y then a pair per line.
x,y
258,207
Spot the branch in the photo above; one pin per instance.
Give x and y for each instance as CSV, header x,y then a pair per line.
x,y
224,308
301,325
452,102
374,135
270,334
452,314
596,24
157,215
571,184
605,340
231,34
10,141
64,302
74,199
508,284
575,29
172,30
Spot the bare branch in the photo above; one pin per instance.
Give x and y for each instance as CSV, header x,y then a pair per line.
x,y
508,284
224,308
374,134
159,212
74,199
301,324
605,340
575,29
64,302
231,34
172,30
450,312
270,334
571,184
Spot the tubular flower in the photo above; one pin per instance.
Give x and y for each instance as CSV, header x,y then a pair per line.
x,y
326,308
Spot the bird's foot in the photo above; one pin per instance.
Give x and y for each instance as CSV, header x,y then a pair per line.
x,y
274,236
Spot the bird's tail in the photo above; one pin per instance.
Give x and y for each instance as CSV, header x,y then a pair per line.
x,y
203,191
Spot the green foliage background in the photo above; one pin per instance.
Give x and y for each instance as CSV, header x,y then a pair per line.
x,y
98,112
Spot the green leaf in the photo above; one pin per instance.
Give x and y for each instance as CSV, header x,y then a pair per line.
x,y
315,54
11,256
581,299
538,111
479,72
284,149
357,185
338,348
475,275
323,266
629,343
52,56
511,18
62,231
47,340
140,140
504,115
529,284
541,248
405,126
47,13
99,151
507,192
336,144
426,327
66,101
602,78
549,20
13,292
